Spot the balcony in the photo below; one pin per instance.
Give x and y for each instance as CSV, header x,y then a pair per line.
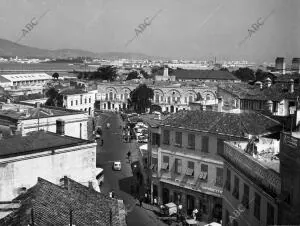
x,y
259,173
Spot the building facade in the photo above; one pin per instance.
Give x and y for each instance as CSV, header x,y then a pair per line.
x,y
28,118
170,97
44,154
252,186
79,100
289,204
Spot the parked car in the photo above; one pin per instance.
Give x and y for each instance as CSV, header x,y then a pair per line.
x,y
116,165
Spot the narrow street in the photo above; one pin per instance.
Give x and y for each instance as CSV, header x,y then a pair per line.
x,y
121,181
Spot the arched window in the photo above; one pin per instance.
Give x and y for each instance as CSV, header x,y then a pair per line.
x,y
110,95
190,99
207,97
157,98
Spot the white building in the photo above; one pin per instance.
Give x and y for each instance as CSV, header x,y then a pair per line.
x,y
43,154
33,79
33,118
79,100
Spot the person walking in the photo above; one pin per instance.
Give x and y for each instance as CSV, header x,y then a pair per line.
x,y
141,202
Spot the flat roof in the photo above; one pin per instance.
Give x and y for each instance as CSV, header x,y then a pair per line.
x,y
34,142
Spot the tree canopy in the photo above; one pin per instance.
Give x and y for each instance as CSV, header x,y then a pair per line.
x,y
132,75
140,98
103,73
145,74
160,70
55,75
54,98
244,74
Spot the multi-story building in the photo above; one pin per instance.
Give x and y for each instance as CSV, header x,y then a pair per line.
x,y
276,99
170,96
289,204
29,117
184,156
24,158
79,100
29,80
252,182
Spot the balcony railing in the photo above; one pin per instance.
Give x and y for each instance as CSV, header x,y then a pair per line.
x,y
262,175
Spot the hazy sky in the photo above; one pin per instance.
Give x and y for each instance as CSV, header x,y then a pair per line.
x,y
183,29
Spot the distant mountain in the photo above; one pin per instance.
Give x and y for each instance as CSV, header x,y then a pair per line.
x,y
11,49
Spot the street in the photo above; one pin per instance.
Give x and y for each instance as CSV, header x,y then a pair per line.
x,y
121,181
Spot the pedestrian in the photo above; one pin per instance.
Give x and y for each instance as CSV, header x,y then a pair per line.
x,y
102,142
141,202
155,201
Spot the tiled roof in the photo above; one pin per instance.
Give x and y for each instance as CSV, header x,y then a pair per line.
x,y
72,91
228,124
53,205
204,74
33,142
276,92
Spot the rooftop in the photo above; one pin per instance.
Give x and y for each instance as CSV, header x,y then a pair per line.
x,y
29,111
56,205
26,77
228,124
72,91
204,75
276,92
34,142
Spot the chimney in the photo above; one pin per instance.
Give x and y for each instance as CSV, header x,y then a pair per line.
x,y
259,84
280,65
296,65
268,82
166,72
270,106
60,127
38,104
291,87
220,104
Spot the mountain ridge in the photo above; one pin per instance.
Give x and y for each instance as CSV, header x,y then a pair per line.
x,y
12,49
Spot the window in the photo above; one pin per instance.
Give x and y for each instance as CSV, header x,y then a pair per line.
x,y
155,139
275,106
90,100
166,137
190,169
270,214
185,99
165,163
205,140
85,100
245,199
235,223
71,102
122,96
227,218
220,146
257,199
190,99
81,99
219,177
204,172
178,139
76,101
191,141
169,100
154,165
178,166
236,188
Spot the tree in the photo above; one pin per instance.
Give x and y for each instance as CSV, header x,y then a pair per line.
x,y
261,75
140,98
224,69
160,70
54,98
104,73
145,74
55,75
132,75
155,107
244,74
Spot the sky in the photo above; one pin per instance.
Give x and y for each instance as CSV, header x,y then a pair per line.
x,y
189,29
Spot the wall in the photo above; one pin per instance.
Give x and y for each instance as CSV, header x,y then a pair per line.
x,y
72,125
78,163
81,107
231,204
